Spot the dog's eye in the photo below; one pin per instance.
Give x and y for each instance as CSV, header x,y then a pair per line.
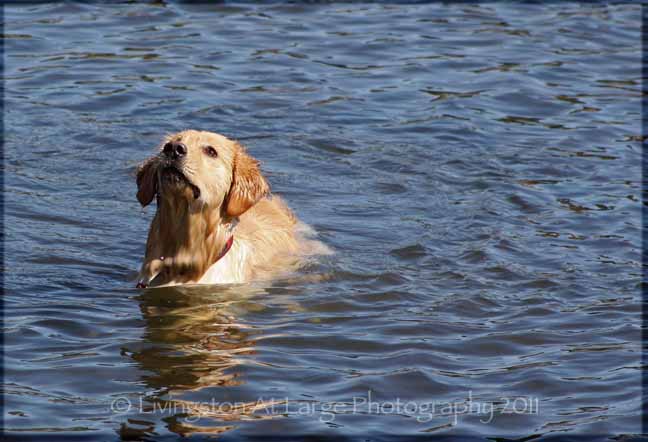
x,y
210,151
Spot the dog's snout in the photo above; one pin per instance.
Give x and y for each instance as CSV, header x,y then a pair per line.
x,y
174,150
180,149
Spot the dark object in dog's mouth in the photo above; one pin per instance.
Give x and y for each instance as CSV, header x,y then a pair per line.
x,y
175,176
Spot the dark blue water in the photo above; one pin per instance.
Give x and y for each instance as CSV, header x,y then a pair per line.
x,y
476,168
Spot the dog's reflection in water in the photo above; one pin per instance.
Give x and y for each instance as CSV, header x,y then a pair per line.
x,y
193,344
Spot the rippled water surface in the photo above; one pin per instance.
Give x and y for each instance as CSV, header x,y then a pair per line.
x,y
476,169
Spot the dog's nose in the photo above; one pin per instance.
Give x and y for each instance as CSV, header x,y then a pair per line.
x,y
175,150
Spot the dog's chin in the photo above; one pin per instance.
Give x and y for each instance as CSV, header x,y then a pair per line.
x,y
176,182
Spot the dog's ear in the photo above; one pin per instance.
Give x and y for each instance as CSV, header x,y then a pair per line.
x,y
147,181
248,185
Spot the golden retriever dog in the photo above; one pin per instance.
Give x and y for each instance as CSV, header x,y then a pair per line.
x,y
216,221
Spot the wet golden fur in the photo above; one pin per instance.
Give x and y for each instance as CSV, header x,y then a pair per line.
x,y
216,196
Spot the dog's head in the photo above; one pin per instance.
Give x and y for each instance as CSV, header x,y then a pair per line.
x,y
204,168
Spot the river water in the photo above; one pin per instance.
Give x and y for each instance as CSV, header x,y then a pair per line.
x,y
476,169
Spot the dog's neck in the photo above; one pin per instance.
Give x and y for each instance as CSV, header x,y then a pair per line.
x,y
185,240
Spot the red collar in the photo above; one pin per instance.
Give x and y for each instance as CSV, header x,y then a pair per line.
x,y
228,245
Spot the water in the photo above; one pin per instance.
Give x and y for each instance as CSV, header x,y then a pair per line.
x,y
476,168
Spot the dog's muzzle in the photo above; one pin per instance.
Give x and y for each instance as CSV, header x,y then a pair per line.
x,y
171,174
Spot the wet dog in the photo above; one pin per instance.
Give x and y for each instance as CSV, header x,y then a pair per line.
x,y
216,220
